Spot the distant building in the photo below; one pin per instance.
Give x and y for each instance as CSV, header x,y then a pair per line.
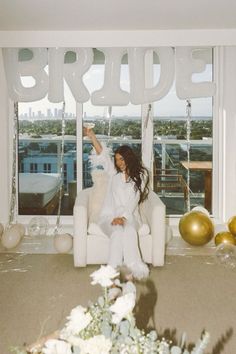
x,y
43,155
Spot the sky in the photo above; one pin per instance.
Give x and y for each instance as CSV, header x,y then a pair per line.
x,y
170,105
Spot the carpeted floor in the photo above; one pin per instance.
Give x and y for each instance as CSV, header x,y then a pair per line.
x,y
190,293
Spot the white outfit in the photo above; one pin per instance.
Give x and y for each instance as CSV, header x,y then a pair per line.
x,y
121,200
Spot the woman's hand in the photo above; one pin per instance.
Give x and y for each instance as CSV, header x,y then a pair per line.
x,y
118,221
88,132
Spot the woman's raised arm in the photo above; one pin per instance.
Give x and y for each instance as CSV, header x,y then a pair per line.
x,y
96,143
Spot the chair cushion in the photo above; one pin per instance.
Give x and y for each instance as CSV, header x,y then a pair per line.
x,y
95,229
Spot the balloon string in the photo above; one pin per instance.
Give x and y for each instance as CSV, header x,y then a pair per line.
x,y
61,165
147,116
12,213
188,111
109,113
147,144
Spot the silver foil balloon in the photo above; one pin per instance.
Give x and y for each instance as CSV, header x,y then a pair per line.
x,y
38,226
226,255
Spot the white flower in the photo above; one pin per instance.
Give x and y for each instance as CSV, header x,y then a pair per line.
x,y
129,287
55,346
78,320
122,307
94,345
103,276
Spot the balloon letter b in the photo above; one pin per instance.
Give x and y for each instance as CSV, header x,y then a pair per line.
x,y
56,76
33,67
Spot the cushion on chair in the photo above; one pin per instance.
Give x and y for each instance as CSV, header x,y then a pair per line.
x,y
95,229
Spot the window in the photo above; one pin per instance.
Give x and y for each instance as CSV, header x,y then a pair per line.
x,y
179,137
47,167
33,167
114,126
182,148
39,155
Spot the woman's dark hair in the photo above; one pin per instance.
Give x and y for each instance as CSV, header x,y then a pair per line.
x,y
136,171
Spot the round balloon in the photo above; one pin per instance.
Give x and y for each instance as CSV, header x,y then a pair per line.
x,y
226,255
38,225
232,225
225,237
196,228
63,243
20,228
202,209
11,237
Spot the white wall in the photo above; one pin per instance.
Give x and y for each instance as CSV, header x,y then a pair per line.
x,y
4,146
148,38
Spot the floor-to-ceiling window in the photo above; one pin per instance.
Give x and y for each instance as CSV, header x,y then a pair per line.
x,y
182,144
45,170
113,125
182,147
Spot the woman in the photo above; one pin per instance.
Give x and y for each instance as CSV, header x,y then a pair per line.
x,y
119,217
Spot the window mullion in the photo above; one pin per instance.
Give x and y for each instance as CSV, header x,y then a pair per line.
x,y
147,118
79,142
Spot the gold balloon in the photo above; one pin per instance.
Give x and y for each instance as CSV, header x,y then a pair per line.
x,y
196,228
225,237
232,225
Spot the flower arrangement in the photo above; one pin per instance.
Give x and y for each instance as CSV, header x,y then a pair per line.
x,y
108,326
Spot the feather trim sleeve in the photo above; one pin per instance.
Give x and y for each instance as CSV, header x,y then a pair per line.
x,y
102,160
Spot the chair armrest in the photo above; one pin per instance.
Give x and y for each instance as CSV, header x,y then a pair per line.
x,y
155,213
80,226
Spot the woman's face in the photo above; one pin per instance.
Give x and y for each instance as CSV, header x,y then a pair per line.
x,y
120,162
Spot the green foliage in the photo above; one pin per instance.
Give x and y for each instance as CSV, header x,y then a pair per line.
x,y
120,127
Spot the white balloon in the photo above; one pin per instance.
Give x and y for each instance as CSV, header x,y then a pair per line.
x,y
139,93
56,74
1,229
202,209
186,66
74,72
38,226
63,243
111,94
34,67
21,229
11,237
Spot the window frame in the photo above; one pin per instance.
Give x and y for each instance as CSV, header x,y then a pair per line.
x,y
218,147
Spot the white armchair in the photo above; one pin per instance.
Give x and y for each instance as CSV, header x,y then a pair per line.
x,y
94,249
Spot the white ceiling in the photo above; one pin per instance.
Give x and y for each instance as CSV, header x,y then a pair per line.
x,y
93,15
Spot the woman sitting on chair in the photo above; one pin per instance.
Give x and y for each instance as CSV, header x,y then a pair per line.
x,y
119,216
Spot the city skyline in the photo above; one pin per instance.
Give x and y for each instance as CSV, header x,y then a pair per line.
x,y
57,114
